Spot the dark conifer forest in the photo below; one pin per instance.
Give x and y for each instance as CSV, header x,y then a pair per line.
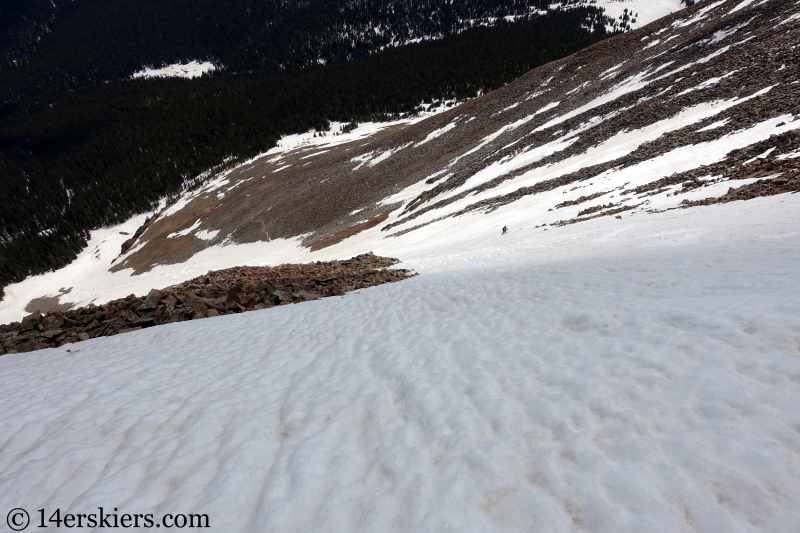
x,y
83,145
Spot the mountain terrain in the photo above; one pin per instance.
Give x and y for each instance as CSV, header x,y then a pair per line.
x,y
92,133
604,334
88,138
80,42
657,119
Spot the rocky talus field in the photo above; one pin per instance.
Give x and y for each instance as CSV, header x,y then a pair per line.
x,y
229,291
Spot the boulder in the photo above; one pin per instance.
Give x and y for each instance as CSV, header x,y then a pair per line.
x,y
30,322
151,301
199,310
52,321
49,334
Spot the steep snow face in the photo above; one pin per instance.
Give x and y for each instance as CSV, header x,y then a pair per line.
x,y
191,69
641,375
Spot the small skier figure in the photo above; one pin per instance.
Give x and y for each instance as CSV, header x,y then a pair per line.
x,y
505,230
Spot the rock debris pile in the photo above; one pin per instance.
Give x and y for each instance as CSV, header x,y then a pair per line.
x,y
766,187
233,290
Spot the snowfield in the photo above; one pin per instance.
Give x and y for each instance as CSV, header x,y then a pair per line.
x,y
634,375
189,70
633,372
647,10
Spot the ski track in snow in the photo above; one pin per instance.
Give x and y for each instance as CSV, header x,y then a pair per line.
x,y
653,390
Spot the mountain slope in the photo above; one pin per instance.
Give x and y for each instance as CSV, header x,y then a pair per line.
x,y
656,119
619,115
635,375
89,42
73,161
85,42
636,371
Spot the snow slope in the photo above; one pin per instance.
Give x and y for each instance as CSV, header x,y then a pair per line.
x,y
641,376
688,89
637,372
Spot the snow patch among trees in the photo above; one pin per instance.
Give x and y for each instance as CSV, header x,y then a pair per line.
x,y
192,69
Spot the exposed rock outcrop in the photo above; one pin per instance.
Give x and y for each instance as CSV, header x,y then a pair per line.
x,y
233,290
766,187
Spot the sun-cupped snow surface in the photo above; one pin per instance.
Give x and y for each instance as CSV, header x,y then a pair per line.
x,y
635,375
191,69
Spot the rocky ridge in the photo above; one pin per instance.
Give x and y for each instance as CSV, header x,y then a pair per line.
x,y
229,291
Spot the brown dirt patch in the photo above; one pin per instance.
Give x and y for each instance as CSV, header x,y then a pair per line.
x,y
349,232
159,249
43,304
